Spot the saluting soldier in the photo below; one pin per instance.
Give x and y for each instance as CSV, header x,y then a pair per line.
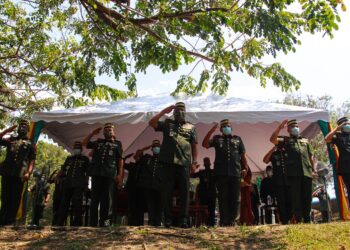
x,y
74,174
178,153
277,157
106,169
340,137
150,181
15,170
229,166
207,189
299,168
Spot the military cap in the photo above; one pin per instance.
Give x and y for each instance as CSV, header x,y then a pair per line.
x,y
292,122
23,122
155,143
342,120
180,105
108,125
224,122
78,144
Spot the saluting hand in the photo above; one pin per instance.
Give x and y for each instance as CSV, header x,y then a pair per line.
x,y
10,129
216,125
96,131
169,109
283,124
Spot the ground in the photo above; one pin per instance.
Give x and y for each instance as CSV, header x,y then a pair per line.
x,y
316,236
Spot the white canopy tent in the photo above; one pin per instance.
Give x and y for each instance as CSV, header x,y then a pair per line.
x,y
254,121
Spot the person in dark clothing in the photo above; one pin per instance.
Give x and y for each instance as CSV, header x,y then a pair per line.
x,y
150,181
136,199
229,167
325,204
340,137
255,200
56,179
15,170
74,173
267,194
178,156
106,170
207,190
300,169
40,196
277,156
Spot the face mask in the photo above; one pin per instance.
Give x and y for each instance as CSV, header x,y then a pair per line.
x,y
226,130
346,128
76,151
294,131
269,173
156,150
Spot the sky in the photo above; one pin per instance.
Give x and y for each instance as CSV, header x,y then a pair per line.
x,y
320,63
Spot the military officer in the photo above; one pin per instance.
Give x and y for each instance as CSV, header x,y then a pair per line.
x,y
229,166
15,170
299,168
207,189
178,153
106,169
74,174
281,187
340,137
150,181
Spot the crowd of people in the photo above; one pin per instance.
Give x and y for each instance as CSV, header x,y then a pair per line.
x,y
156,178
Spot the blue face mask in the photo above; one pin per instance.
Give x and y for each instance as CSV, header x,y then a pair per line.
x,y
346,128
156,150
294,131
226,130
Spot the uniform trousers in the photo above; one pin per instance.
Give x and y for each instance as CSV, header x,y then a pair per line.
x,y
175,174
74,195
102,190
11,191
229,194
154,206
301,197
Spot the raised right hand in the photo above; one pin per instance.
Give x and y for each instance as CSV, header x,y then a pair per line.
x,y
283,124
10,129
96,131
169,109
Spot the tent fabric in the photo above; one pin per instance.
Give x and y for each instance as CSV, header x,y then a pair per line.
x,y
254,121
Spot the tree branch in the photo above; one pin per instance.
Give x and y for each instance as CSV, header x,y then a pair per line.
x,y
116,15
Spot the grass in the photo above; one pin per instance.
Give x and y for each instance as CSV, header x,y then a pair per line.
x,y
317,236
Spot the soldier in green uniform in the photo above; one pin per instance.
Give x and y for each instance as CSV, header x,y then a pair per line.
x,y
299,168
150,181
40,197
106,169
15,170
178,153
340,137
75,181
277,157
229,166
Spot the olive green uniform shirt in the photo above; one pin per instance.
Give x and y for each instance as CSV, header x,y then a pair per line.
x,y
177,142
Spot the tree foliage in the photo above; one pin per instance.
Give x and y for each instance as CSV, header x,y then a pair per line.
x,y
52,50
